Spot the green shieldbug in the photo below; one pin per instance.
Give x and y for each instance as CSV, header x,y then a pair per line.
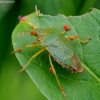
x,y
53,41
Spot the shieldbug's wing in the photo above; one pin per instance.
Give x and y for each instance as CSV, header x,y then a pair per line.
x,y
76,63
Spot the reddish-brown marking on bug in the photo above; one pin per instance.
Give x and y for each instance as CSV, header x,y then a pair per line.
x,y
75,36
74,71
62,89
18,50
71,38
38,39
82,71
33,33
66,27
51,70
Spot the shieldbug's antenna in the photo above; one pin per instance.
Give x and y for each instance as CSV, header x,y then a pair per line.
x,y
36,10
37,14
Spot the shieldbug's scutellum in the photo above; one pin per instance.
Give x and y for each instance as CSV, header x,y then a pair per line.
x,y
58,47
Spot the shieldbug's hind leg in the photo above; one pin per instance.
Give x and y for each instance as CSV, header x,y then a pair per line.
x,y
35,55
54,72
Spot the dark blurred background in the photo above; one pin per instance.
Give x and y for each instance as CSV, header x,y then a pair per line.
x,y
21,87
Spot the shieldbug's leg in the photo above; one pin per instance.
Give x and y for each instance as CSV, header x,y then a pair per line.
x,y
35,55
66,28
28,46
84,41
71,38
54,72
20,49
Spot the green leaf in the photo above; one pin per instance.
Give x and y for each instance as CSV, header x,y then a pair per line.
x,y
78,86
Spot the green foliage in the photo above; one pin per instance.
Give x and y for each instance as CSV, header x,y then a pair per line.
x,y
20,87
80,86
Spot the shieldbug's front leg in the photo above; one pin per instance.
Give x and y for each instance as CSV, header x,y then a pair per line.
x,y
35,55
52,69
